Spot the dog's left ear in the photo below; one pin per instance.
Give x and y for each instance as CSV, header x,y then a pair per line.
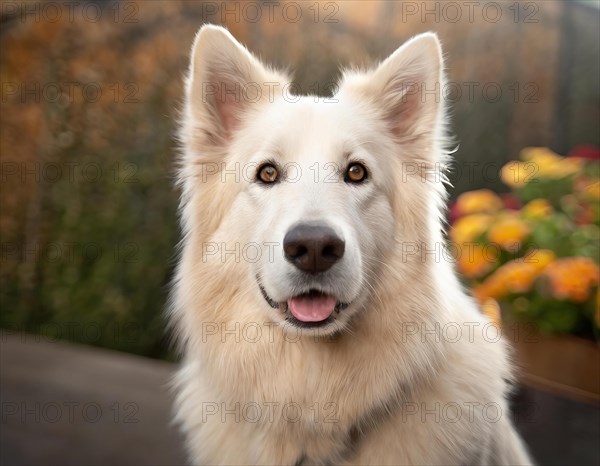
x,y
406,87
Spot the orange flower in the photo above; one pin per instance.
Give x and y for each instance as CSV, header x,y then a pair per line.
x,y
509,233
592,191
491,309
597,313
473,261
491,288
516,276
573,278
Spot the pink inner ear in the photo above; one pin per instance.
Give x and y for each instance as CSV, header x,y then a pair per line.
x,y
228,107
404,114
231,102
412,108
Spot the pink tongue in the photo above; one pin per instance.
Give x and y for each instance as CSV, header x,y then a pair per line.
x,y
311,308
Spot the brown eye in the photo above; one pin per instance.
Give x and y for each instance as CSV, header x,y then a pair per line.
x,y
356,173
267,174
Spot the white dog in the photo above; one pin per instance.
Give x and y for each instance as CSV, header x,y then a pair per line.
x,y
319,318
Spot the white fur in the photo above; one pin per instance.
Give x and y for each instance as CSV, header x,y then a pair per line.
x,y
366,371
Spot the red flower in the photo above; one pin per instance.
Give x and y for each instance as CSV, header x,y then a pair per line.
x,y
585,216
585,152
510,201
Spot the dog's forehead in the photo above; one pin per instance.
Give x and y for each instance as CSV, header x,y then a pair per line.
x,y
311,128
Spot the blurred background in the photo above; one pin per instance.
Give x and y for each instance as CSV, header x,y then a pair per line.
x,y
90,92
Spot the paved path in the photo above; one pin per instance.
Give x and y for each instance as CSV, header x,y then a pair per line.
x,y
67,404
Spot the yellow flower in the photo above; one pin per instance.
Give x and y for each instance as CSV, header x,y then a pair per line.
x,y
544,162
509,232
467,229
571,165
540,258
516,174
538,153
572,278
548,164
482,200
538,209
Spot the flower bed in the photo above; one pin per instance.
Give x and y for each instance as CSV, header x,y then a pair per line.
x,y
534,253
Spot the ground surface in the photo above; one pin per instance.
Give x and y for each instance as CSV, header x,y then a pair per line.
x,y
65,404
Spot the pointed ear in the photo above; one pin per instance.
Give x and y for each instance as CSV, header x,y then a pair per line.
x,y
224,84
406,87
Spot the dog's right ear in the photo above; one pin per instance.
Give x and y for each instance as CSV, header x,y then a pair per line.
x,y
225,84
405,88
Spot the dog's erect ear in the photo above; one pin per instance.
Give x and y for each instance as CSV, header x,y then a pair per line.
x,y
225,83
406,86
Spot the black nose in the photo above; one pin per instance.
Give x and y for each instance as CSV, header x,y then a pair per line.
x,y
313,248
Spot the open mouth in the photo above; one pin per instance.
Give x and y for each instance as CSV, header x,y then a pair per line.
x,y
311,309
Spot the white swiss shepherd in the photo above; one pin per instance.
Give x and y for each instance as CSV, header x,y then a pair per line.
x,y
316,321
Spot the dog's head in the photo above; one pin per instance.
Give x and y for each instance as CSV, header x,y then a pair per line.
x,y
309,197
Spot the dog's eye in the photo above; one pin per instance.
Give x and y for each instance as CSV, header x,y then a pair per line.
x,y
356,173
267,174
